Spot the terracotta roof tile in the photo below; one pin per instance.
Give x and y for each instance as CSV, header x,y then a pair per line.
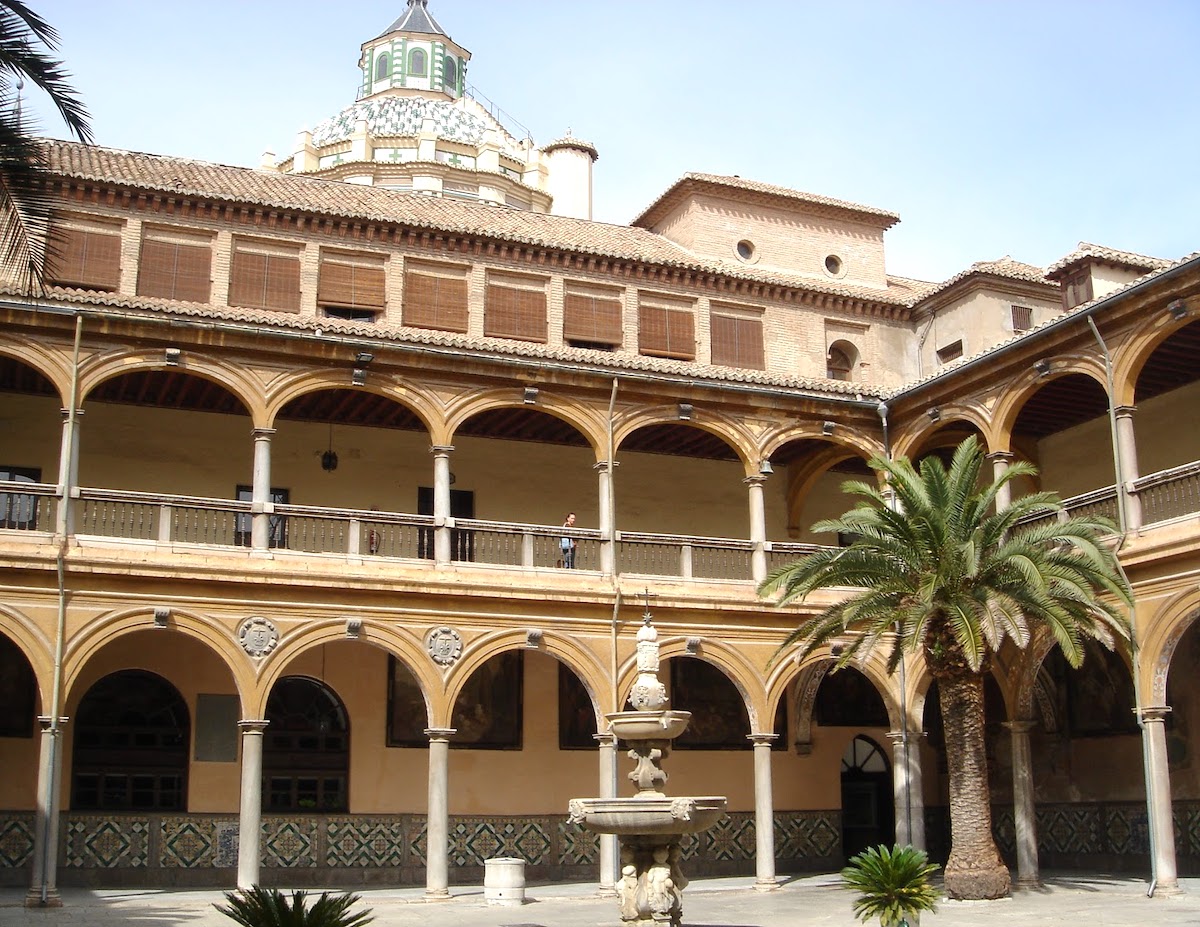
x,y
1088,251
1002,267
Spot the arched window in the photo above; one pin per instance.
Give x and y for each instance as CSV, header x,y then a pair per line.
x,y
383,66
418,63
131,745
449,73
306,749
840,360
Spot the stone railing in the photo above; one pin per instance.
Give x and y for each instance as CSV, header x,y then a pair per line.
x,y
1169,494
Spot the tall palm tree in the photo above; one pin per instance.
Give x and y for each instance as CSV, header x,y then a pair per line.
x,y
935,569
26,41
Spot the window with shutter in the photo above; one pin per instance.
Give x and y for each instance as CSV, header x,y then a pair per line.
x,y
87,258
666,331
435,297
737,340
352,282
515,309
1077,288
592,318
175,265
1022,318
265,276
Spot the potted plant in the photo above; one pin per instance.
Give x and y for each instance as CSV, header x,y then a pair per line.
x,y
268,907
892,885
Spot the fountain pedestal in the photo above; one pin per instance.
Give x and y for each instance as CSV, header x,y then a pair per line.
x,y
649,825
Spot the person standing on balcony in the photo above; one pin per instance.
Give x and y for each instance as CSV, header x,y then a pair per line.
x,y
568,544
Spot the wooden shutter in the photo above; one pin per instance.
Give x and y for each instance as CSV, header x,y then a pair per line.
x,y
513,311
351,282
666,332
86,258
175,266
264,277
1022,318
592,318
737,341
435,301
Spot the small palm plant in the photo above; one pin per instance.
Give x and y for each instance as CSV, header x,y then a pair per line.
x,y
893,885
268,907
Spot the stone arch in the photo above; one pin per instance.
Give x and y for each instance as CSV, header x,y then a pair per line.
x,y
732,432
578,415
243,385
38,649
812,670
1172,621
1131,357
399,390
1023,387
803,479
55,366
923,432
399,642
105,629
845,441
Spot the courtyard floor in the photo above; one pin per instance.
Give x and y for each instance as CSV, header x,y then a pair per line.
x,y
1091,899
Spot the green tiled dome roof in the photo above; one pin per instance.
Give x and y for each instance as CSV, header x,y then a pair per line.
x,y
393,115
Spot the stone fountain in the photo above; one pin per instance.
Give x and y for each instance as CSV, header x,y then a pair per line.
x,y
649,825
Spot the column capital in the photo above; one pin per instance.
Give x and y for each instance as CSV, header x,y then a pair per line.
x,y
66,413
1000,456
606,466
756,479
440,734
762,739
605,739
262,434
441,450
1019,727
252,726
1124,411
1155,714
898,737
46,722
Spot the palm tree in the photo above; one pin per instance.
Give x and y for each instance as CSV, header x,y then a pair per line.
x,y
25,205
937,570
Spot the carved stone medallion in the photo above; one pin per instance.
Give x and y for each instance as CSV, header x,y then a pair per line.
x,y
444,645
258,636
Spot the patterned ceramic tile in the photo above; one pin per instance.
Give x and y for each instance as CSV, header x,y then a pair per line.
x,y
95,842
186,843
289,843
365,842
16,840
577,846
225,844
807,834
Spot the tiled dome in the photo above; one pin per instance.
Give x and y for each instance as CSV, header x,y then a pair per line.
x,y
392,115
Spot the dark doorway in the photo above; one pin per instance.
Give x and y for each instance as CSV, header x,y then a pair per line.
x,y
868,809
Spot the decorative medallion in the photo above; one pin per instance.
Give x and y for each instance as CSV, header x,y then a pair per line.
x,y
258,636
444,645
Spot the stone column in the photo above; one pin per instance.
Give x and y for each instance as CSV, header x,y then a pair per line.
x,y
1129,465
907,793
1000,461
250,812
260,491
68,473
1024,809
758,527
764,814
43,889
608,789
437,828
608,553
441,504
1159,782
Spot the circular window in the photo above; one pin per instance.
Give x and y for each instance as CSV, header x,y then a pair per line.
x,y
833,265
745,250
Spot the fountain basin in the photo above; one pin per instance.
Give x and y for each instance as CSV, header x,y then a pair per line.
x,y
648,725
647,815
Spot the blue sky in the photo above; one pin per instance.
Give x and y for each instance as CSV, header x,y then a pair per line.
x,y
992,128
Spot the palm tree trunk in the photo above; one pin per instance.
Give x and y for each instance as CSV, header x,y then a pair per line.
x,y
974,869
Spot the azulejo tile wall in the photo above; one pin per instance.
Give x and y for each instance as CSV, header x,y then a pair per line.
x,y
16,840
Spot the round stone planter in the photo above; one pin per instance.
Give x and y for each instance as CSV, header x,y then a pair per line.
x,y
504,880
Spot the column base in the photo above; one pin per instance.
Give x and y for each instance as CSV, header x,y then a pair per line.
x,y
1029,883
1167,890
766,885
437,894
606,891
33,899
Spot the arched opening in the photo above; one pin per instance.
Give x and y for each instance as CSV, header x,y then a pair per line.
x,y
18,691
868,810
449,73
132,732
1063,428
719,718
840,360
489,711
306,749
418,63
1183,698
383,66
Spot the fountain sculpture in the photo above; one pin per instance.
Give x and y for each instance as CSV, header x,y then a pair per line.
x,y
649,825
